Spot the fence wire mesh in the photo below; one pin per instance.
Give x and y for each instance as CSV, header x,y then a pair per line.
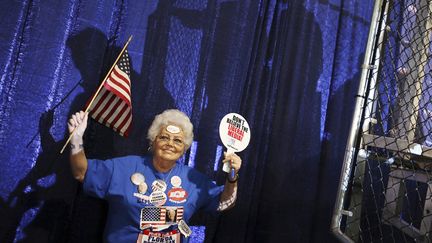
x,y
389,197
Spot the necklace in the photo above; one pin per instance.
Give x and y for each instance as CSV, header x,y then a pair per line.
x,y
158,197
161,183
169,173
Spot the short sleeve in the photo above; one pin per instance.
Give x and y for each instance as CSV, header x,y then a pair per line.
x,y
98,177
211,195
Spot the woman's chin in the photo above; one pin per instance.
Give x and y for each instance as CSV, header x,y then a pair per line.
x,y
169,156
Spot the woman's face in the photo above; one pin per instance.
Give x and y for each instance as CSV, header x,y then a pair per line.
x,y
169,144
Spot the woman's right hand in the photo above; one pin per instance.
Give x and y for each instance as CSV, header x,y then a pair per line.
x,y
78,160
78,121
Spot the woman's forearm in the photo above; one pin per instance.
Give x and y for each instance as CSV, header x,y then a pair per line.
x,y
78,159
228,196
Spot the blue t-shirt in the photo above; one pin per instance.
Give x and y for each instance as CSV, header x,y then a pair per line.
x,y
111,180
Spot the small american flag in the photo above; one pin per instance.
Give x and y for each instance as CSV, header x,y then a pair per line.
x,y
112,105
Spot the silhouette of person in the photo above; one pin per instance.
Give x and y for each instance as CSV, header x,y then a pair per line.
x,y
50,183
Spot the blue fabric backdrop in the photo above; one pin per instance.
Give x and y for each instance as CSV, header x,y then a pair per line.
x,y
291,68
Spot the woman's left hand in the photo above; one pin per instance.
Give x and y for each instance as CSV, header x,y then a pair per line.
x,y
234,160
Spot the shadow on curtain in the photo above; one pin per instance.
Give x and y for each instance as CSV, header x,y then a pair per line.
x,y
289,67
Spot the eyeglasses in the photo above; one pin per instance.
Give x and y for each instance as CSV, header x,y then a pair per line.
x,y
166,139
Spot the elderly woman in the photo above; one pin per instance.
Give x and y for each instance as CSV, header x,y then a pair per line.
x,y
142,191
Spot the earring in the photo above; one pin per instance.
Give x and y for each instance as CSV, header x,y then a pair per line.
x,y
150,147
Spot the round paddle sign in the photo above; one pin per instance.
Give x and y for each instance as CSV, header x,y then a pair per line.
x,y
235,134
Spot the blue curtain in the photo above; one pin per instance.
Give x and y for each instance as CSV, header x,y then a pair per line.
x,y
291,68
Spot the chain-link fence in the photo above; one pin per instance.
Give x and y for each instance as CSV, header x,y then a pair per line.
x,y
386,184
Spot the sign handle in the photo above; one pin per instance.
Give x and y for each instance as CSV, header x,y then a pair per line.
x,y
227,167
232,174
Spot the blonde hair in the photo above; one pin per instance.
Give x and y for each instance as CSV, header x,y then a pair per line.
x,y
172,117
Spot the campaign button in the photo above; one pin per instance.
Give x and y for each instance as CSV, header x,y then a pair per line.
x,y
184,228
142,188
159,185
158,198
137,178
177,195
176,181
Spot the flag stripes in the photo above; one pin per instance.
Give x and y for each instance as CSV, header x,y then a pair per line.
x,y
119,84
112,105
179,214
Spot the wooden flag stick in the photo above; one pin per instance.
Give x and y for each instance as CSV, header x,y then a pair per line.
x,y
97,91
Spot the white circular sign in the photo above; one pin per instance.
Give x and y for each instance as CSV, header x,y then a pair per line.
x,y
234,132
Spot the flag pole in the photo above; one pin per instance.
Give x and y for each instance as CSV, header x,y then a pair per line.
x,y
97,91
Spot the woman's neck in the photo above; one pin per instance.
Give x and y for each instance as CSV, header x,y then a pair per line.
x,y
163,165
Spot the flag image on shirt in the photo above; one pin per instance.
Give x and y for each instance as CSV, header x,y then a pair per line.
x,y
179,214
112,105
152,216
173,214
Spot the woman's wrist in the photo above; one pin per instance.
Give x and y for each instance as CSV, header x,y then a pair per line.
x,y
234,179
76,144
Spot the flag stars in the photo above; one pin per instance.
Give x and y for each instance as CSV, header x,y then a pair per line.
x,y
124,63
112,105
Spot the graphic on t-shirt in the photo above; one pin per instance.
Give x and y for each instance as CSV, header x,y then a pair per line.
x,y
173,214
152,216
158,217
148,236
177,195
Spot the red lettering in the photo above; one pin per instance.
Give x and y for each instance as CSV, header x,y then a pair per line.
x,y
235,135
